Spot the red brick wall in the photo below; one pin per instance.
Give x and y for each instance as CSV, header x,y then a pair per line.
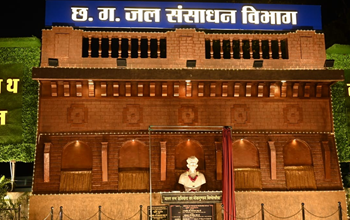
x,y
206,141
117,120
306,49
110,114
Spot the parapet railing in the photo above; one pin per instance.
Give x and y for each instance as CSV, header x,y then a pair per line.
x,y
98,215
124,45
246,46
303,211
263,212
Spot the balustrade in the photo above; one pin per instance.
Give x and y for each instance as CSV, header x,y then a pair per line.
x,y
123,45
241,46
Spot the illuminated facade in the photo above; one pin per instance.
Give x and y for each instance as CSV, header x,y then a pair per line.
x,y
112,95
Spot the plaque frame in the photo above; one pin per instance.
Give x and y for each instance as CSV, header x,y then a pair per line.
x,y
212,206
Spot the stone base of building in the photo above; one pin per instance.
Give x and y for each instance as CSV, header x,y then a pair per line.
x,y
248,204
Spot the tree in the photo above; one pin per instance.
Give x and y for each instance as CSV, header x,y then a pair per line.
x,y
17,142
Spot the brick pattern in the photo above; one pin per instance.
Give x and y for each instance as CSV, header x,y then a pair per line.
x,y
293,114
97,112
132,115
112,114
306,49
89,88
77,115
240,115
188,115
205,139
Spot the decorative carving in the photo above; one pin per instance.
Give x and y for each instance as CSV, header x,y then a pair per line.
x,y
133,115
240,115
293,114
188,115
77,114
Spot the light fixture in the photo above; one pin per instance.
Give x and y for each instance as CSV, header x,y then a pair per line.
x,y
191,63
283,81
258,63
121,62
53,62
328,63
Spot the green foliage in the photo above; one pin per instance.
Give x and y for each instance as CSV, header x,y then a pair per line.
x,y
8,208
340,121
3,188
11,132
29,57
20,42
339,103
342,61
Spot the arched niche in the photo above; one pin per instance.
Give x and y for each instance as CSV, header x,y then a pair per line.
x,y
133,166
297,153
133,155
187,149
76,167
246,165
76,155
245,154
298,166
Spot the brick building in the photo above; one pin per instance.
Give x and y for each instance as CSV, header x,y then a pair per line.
x,y
114,95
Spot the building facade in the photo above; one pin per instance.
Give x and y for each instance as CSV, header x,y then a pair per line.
x,y
120,112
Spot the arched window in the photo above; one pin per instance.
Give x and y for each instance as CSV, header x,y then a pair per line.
x,y
298,165
246,165
76,167
133,167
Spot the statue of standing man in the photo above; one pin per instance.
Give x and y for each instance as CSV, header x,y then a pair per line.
x,y
192,179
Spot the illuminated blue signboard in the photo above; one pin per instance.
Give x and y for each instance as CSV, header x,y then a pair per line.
x,y
225,16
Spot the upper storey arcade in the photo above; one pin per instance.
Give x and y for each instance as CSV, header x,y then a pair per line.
x,y
96,49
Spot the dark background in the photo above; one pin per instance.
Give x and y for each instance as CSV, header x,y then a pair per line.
x,y
26,18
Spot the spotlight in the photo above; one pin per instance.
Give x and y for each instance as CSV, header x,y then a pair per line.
x,y
258,63
191,63
53,62
328,63
121,62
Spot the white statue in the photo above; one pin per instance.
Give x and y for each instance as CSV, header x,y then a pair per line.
x,y
192,179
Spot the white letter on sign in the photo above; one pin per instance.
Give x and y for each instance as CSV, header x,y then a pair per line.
x,y
79,13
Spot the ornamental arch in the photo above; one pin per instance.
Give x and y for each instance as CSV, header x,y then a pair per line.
x,y
298,165
246,162
76,167
133,168
187,149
